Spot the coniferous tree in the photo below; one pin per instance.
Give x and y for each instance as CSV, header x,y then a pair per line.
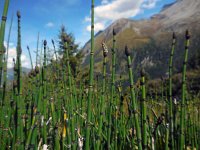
x,y
75,55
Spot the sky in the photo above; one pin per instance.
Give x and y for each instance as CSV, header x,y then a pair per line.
x,y
46,17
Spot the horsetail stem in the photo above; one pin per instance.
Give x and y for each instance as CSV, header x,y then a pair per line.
x,y
170,93
91,76
135,110
44,81
102,99
30,57
182,117
144,117
37,50
19,83
6,64
2,34
112,93
54,48
71,94
19,52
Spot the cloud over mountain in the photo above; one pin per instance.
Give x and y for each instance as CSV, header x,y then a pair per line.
x,y
116,9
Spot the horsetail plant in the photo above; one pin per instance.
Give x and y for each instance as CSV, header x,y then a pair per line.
x,y
6,63
144,117
30,57
54,48
112,96
102,99
170,93
91,76
2,34
37,50
183,95
19,85
73,138
44,82
4,91
135,110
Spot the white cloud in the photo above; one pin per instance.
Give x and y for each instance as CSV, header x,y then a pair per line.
x,y
111,10
49,25
87,19
149,4
118,9
12,53
97,27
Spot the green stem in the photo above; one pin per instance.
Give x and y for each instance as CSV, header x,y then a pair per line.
x,y
144,117
102,100
2,34
30,57
171,125
91,78
182,117
135,110
6,64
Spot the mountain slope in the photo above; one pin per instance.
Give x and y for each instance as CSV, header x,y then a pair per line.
x,y
181,14
150,40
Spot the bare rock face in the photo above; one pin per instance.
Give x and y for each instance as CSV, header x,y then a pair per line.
x,y
181,15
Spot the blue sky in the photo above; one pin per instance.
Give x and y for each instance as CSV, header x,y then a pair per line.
x,y
46,17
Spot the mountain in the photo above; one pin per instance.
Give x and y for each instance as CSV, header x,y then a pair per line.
x,y
150,39
182,14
